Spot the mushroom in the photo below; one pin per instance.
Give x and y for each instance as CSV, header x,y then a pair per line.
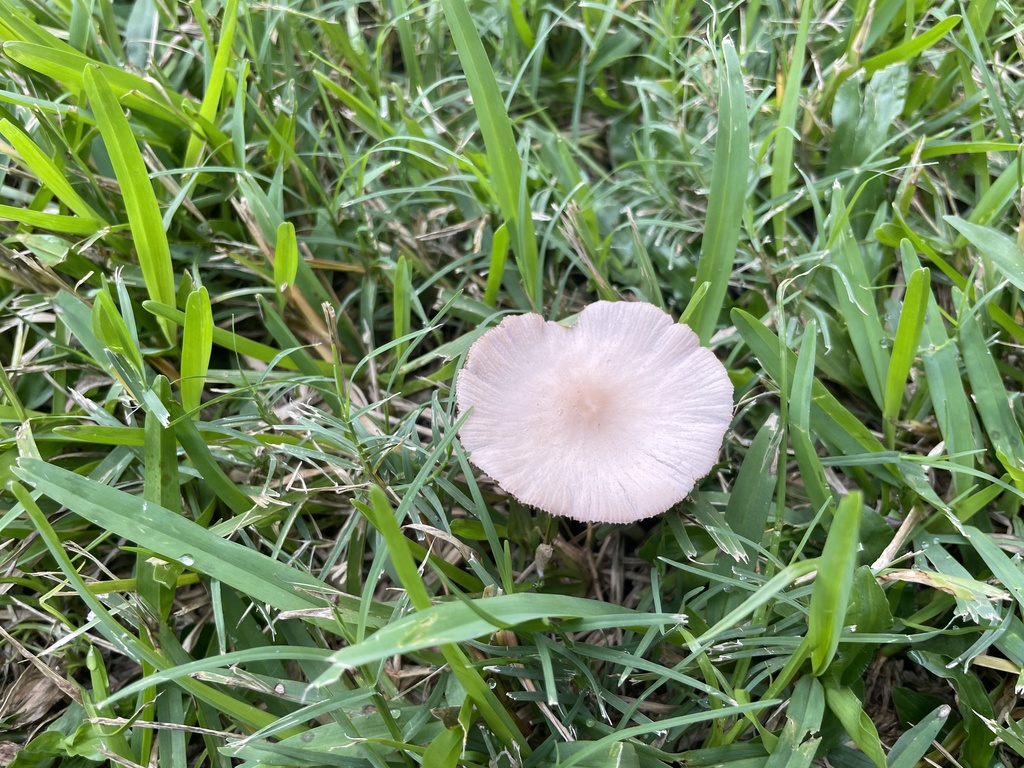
x,y
612,420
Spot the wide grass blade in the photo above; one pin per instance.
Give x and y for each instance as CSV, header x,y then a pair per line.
x,y
727,195
912,746
942,373
785,129
50,175
196,345
502,153
904,347
849,710
225,56
174,537
856,299
800,399
798,744
120,638
990,396
144,217
994,245
286,260
831,593
138,93
381,515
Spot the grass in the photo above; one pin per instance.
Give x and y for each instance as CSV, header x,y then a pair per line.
x,y
246,247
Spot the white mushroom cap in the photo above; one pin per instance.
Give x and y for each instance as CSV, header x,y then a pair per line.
x,y
612,420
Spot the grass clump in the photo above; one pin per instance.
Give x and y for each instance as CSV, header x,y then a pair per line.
x,y
246,247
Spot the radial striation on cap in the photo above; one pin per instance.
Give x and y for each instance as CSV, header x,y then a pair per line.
x,y
612,420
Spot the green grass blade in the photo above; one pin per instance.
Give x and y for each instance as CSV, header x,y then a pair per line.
x,y
502,153
196,345
856,297
71,225
913,47
46,170
904,348
198,451
69,68
850,711
496,270
286,259
831,593
992,244
727,196
798,745
157,577
782,155
990,396
382,517
830,419
173,536
121,639
811,471
749,505
942,373
237,343
144,217
912,746
401,307
224,57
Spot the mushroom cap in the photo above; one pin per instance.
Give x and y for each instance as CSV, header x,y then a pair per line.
x,y
612,420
